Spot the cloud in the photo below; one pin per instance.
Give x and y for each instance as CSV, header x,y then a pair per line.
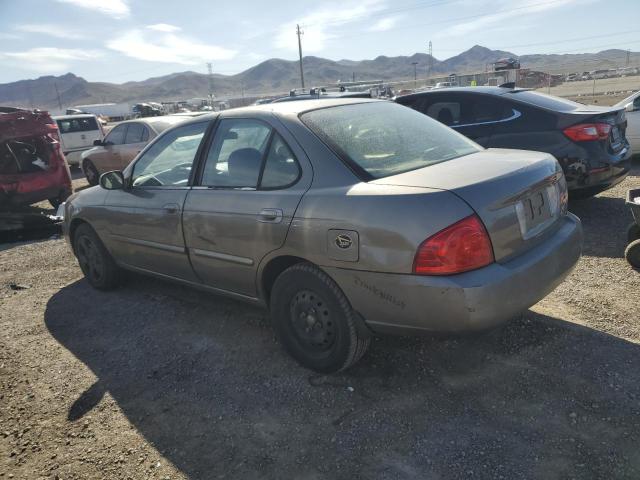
x,y
318,23
167,48
48,59
511,10
163,27
9,36
385,24
113,8
57,31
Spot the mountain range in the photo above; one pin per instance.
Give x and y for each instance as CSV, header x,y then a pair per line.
x,y
279,76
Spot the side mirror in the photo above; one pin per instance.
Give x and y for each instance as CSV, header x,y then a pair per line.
x,y
112,180
97,143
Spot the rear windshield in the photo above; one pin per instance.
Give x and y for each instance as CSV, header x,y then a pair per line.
x,y
380,139
546,101
72,125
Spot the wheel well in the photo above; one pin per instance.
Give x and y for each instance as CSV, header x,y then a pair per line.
x,y
75,223
273,269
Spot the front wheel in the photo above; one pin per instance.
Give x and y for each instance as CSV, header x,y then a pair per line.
x,y
91,172
95,261
632,254
314,321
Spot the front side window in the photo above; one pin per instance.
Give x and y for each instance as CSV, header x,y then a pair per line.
x,y
168,162
116,136
379,139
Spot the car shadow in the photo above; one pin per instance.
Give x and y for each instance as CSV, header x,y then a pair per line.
x,y
202,378
604,221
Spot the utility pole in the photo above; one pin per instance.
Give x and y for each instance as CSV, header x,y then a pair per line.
x,y
430,60
55,84
628,54
210,70
415,74
353,77
299,33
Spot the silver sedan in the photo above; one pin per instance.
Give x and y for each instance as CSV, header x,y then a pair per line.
x,y
345,218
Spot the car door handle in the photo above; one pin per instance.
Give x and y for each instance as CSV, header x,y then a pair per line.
x,y
270,215
171,208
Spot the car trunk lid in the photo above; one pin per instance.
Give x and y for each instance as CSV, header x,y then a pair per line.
x,y
518,195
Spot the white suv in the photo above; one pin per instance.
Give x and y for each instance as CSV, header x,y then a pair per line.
x,y
77,134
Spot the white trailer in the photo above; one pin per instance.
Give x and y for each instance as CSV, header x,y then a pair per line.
x,y
112,111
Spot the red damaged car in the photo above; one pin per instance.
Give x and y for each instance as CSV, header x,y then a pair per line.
x,y
32,165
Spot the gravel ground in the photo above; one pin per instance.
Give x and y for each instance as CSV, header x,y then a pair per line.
x,y
158,381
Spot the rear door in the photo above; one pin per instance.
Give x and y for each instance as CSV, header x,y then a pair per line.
x,y
136,138
633,126
252,179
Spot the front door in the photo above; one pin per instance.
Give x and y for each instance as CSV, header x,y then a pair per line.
x,y
252,180
145,224
633,126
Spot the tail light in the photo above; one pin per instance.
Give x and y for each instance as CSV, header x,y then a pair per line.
x,y
585,132
461,247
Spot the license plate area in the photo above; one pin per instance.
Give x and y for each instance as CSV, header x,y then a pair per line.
x,y
537,211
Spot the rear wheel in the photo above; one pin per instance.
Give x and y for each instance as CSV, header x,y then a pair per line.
x,y
95,261
633,232
55,202
632,254
314,321
91,172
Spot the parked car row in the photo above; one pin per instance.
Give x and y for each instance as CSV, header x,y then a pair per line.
x,y
347,217
589,142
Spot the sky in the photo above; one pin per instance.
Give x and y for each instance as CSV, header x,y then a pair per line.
x,y
123,40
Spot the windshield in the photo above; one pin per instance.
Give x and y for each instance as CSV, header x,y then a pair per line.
x,y
381,139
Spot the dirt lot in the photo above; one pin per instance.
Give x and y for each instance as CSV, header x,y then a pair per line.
x,y
157,381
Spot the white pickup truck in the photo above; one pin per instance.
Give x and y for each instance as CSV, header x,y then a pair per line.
x,y
77,134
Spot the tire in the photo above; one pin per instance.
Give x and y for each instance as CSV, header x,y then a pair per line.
x,y
55,202
633,232
95,261
632,254
314,321
91,172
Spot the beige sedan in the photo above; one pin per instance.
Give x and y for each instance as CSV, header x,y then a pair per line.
x,y
122,144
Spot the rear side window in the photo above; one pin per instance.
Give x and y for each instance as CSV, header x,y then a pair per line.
x,y
462,109
137,133
380,139
73,125
281,167
249,154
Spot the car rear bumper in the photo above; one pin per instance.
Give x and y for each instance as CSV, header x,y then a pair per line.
x,y
477,300
600,173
